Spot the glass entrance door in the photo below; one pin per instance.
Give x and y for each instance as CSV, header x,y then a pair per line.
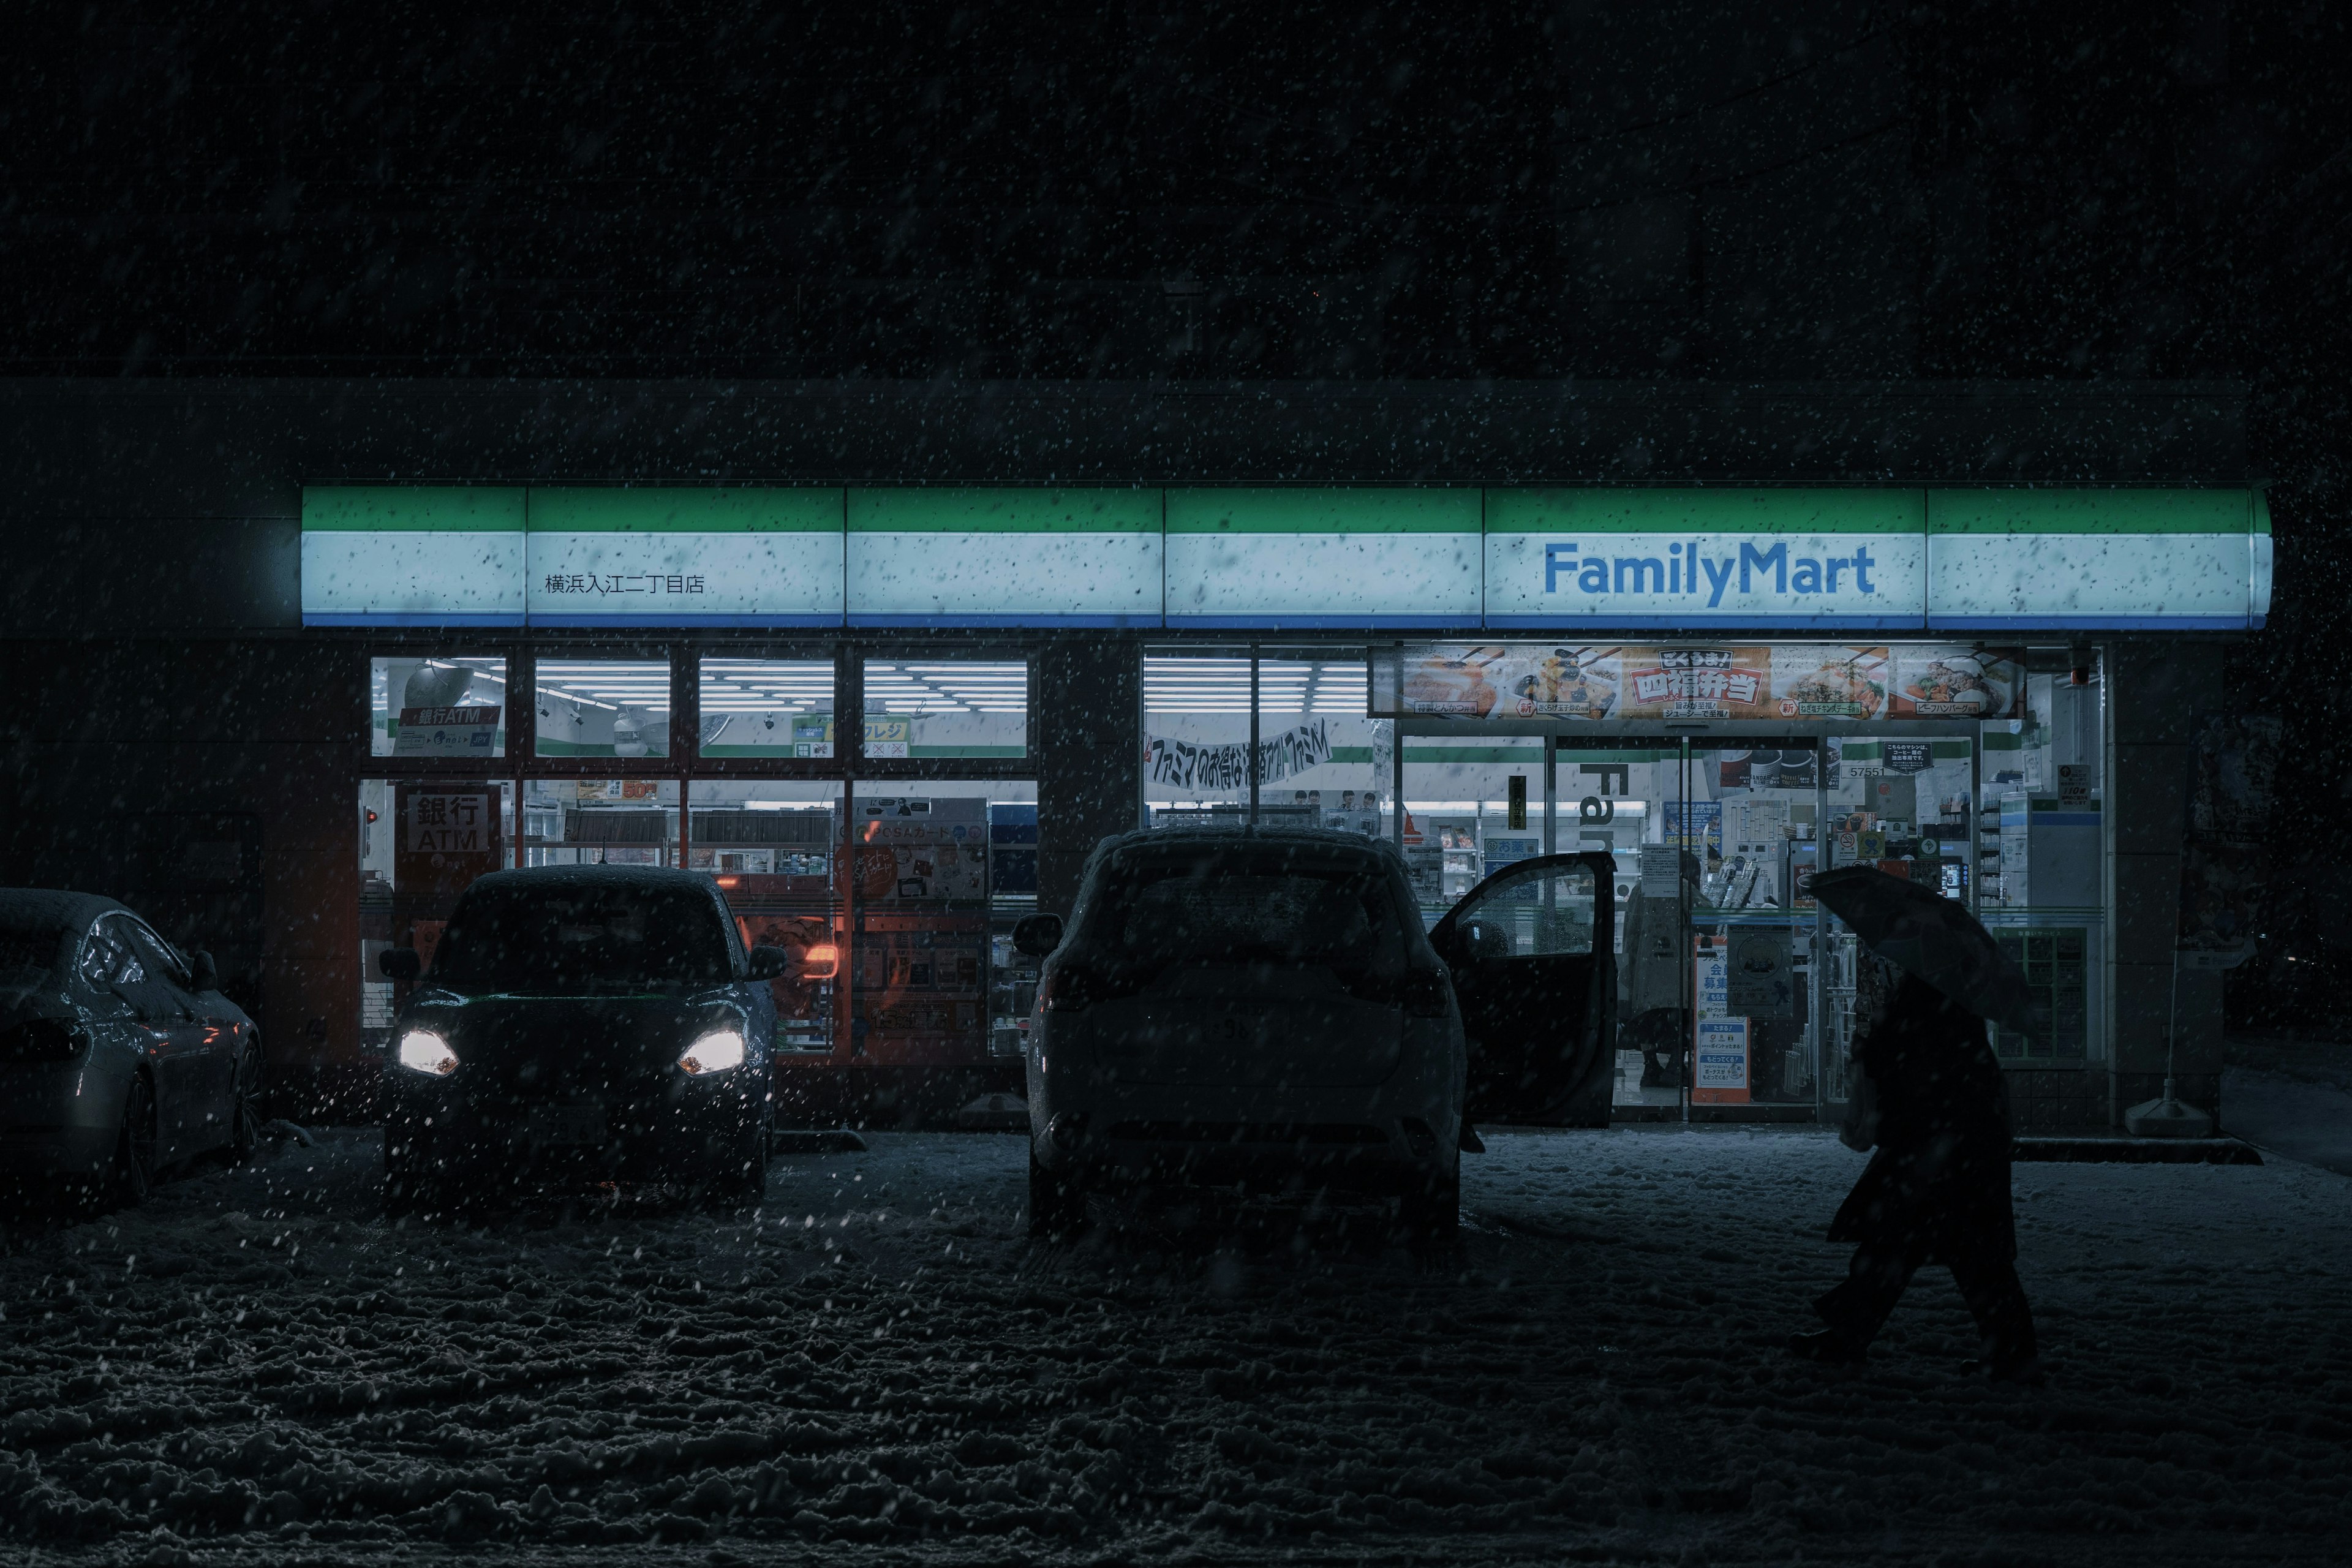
x,y
1716,940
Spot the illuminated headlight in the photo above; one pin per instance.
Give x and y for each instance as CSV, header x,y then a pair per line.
x,y
721,1050
422,1051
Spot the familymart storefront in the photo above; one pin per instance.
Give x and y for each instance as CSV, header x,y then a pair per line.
x,y
1720,690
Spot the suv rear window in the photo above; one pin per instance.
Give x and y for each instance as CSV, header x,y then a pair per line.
x,y
1158,909
520,938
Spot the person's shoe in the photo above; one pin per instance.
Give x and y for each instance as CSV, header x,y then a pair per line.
x,y
2025,1372
1828,1347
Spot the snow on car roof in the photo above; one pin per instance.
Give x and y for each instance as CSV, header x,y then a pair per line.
x,y
49,908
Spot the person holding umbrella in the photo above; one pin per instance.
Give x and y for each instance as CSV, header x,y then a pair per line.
x,y
1937,1190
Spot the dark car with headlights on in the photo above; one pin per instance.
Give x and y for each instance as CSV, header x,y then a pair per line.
x,y
118,1053
601,1022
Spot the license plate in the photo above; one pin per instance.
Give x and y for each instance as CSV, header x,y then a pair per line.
x,y
568,1124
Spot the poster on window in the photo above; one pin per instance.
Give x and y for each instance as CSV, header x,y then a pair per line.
x,y
1932,682
1214,766
1719,1062
446,732
1785,680
1813,681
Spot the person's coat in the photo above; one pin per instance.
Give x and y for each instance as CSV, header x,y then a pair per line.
x,y
1940,1177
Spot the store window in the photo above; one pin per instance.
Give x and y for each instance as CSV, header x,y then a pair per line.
x,y
939,874
599,821
1322,763
965,708
772,846
602,708
421,842
1196,735
2040,853
1473,805
437,707
766,708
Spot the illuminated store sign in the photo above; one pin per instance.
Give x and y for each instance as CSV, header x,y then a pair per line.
x,y
975,557
1567,561
659,557
1672,558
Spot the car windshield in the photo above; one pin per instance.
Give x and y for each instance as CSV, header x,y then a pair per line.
x,y
1289,907
522,937
27,956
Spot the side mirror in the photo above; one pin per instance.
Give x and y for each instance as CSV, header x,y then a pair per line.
x,y
1037,935
204,975
770,963
402,963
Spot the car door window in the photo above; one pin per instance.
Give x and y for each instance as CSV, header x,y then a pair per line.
x,y
108,960
160,958
1546,911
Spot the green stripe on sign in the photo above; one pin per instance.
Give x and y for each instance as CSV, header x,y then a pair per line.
x,y
959,509
1386,509
411,508
2261,512
2089,511
1705,512
628,508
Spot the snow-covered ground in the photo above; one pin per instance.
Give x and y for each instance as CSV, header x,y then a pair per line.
x,y
2289,1115
878,1365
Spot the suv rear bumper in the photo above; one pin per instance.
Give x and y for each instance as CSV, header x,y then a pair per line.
x,y
1394,1138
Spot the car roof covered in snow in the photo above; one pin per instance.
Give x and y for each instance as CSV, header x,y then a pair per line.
x,y
52,908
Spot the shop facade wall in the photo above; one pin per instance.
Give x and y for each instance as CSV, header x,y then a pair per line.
x,y
2154,692
1089,715
115,730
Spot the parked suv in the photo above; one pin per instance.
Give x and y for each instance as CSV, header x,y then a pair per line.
x,y
1262,1011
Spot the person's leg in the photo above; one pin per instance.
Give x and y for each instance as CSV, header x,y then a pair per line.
x,y
1856,1309
1874,1282
1996,1297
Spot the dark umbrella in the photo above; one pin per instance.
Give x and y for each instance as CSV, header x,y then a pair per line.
x,y
1933,937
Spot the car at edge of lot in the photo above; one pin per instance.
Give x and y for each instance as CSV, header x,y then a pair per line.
x,y
603,1022
1261,1011
119,1055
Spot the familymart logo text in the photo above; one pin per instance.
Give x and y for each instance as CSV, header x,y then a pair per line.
x,y
1683,570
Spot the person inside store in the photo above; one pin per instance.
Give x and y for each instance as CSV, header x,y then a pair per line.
x,y
1651,1000
1927,1093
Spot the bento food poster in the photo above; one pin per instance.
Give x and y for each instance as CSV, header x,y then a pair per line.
x,y
1932,682
1697,682
1829,680
1512,680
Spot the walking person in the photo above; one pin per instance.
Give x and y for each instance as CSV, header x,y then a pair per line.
x,y
1929,1094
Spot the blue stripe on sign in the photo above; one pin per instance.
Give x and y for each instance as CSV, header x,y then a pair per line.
x,y
621,623
2087,623
1327,623
870,620
408,618
1598,626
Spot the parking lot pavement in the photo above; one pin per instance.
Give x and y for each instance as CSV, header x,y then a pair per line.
x,y
257,1367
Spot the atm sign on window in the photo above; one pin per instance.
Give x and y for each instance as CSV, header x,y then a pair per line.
x,y
450,825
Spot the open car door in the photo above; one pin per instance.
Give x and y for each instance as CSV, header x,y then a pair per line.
x,y
1532,952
